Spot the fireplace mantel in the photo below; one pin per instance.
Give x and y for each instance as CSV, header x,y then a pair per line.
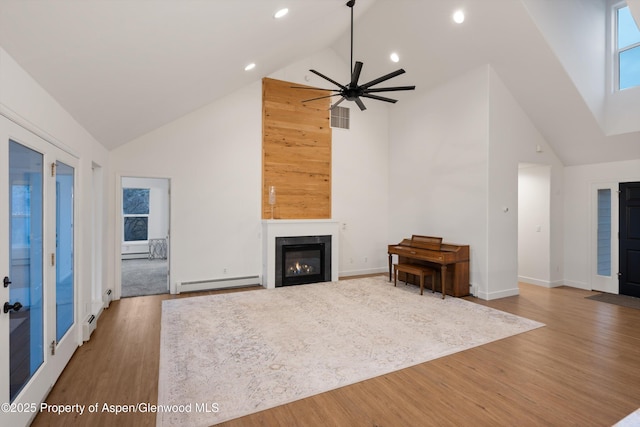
x,y
273,228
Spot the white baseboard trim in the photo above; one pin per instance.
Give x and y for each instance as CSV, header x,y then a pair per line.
x,y
204,285
538,282
575,284
349,273
497,295
135,255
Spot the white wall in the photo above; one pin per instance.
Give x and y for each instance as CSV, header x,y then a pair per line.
x,y
213,158
454,155
534,215
22,99
576,31
514,140
580,34
438,167
578,220
361,190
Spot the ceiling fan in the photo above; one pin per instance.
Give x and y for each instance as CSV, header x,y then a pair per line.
x,y
352,91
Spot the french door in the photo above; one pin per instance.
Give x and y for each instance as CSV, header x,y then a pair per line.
x,y
37,264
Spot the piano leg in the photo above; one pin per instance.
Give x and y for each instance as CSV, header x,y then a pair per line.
x,y
443,279
390,264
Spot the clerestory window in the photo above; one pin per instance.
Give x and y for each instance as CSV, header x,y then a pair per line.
x,y
627,48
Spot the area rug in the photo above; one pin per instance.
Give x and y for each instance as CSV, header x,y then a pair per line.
x,y
229,355
623,300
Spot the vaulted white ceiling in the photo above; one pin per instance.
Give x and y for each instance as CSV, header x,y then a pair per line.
x,y
124,68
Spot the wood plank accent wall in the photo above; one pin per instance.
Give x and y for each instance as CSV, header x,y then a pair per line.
x,y
296,152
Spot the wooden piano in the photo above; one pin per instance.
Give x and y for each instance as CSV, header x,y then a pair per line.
x,y
452,261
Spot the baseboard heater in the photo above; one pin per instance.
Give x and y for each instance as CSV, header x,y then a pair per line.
x,y
107,297
204,285
88,327
135,255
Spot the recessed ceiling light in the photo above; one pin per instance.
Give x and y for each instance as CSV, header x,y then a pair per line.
x,y
394,57
250,67
281,13
458,17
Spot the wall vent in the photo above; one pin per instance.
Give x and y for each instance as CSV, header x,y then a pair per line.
x,y
340,117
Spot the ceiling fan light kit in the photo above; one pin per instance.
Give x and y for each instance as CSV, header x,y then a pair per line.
x,y
352,91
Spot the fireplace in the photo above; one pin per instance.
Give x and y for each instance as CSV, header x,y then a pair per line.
x,y
302,259
273,229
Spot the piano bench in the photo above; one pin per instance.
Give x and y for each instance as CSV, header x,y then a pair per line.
x,y
417,270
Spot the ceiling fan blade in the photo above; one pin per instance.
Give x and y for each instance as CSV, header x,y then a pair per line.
x,y
356,74
389,89
383,78
360,104
327,78
379,98
312,88
320,97
337,103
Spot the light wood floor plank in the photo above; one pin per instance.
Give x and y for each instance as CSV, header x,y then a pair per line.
x,y
582,369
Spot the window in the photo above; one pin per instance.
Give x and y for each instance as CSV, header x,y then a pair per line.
x,y
135,209
627,48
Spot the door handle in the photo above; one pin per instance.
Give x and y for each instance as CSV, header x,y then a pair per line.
x,y
6,282
15,306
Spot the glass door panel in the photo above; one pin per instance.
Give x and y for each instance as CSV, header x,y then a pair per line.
x,y
603,252
64,249
604,232
25,265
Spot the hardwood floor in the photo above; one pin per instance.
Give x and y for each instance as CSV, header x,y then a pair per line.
x,y
582,369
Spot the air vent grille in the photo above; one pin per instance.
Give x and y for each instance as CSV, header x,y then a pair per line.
x,y
340,117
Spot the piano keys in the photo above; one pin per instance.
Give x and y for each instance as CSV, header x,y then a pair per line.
x,y
450,260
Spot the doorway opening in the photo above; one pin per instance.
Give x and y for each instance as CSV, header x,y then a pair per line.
x,y
145,244
534,224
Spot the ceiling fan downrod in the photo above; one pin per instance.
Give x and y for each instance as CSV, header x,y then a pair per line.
x,y
351,3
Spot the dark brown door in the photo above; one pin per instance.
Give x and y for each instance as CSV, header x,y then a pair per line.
x,y
629,275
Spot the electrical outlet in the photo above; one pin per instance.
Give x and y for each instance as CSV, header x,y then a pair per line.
x,y
366,259
224,270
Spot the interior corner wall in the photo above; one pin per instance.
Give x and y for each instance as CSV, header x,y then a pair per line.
x,y
22,98
513,139
361,190
534,196
579,223
576,31
438,168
